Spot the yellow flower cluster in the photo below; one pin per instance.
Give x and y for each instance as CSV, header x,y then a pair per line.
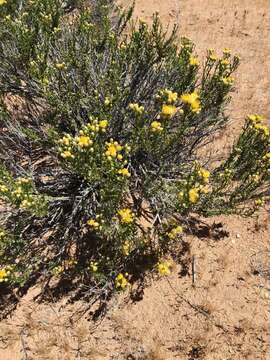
x,y
156,126
267,157
193,100
2,2
126,216
204,174
136,108
229,80
23,180
94,224
27,203
168,110
255,118
121,281
211,55
82,142
124,172
67,154
225,62
3,188
4,274
259,202
255,178
164,268
197,185
113,150
226,51
61,66
21,193
97,126
193,195
175,232
126,248
193,61
262,128
108,101
168,96
255,122
93,266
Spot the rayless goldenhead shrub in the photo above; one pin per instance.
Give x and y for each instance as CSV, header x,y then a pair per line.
x,y
106,133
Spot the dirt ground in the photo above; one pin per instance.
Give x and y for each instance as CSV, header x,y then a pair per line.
x,y
226,314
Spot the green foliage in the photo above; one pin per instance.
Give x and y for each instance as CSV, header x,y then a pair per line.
x,y
113,118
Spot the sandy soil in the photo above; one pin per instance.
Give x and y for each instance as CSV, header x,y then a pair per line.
x,y
226,315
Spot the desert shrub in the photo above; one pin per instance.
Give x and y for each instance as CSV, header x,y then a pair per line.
x,y
103,126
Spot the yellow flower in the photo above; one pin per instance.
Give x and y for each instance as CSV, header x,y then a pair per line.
x,y
2,2
124,172
26,204
164,268
190,98
171,96
255,178
107,101
205,174
126,216
262,128
213,57
193,61
65,140
156,126
226,51
193,100
267,156
181,195
136,108
121,282
103,124
112,149
225,62
193,195
174,232
255,118
93,223
58,270
18,192
126,248
4,275
168,110
84,141
61,66
23,180
93,266
227,80
3,188
196,106
259,202
67,154
211,54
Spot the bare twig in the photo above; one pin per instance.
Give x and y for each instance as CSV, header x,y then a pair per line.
x,y
25,347
193,270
